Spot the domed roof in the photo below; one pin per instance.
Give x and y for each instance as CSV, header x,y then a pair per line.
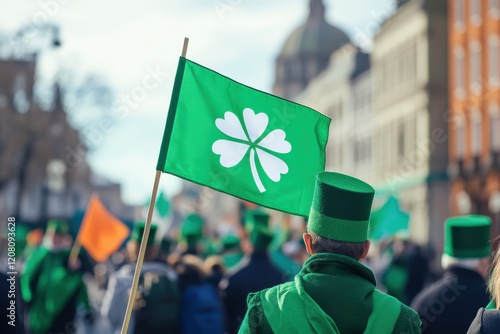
x,y
315,36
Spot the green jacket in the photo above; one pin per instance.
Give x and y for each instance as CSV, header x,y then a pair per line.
x,y
331,294
47,286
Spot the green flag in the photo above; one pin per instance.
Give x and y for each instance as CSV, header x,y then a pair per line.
x,y
162,204
241,141
388,220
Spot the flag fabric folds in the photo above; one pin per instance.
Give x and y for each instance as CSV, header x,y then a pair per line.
x,y
388,221
241,141
101,234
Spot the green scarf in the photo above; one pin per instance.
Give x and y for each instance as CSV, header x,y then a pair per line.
x,y
491,305
326,285
48,286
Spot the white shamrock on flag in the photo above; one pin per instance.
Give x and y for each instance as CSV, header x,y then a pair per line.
x,y
232,151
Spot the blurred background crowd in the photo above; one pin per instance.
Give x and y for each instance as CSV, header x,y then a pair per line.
x,y
416,114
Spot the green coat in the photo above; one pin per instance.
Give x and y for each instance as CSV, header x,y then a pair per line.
x,y
48,287
331,294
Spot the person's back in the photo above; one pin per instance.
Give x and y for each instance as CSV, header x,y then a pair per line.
x,y
201,307
255,273
451,303
158,292
334,292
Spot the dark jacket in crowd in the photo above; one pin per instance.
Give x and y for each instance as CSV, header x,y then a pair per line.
x,y
486,322
254,273
451,303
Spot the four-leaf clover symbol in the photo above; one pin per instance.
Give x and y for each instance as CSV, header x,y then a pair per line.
x,y
249,138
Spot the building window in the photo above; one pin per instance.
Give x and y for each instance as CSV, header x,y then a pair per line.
x,y
401,140
459,71
475,66
476,133
459,14
495,8
460,139
495,128
494,60
475,11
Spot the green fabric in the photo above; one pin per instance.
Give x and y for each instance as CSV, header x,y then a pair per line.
x,y
491,305
467,236
304,306
327,285
241,141
388,220
162,205
47,286
395,280
338,229
192,226
138,233
341,207
58,226
386,311
289,309
232,259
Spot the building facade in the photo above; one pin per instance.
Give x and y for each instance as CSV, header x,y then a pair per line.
x,y
474,67
410,99
43,162
388,126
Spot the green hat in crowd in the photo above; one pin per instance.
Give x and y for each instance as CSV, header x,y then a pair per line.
x,y
58,226
230,241
138,232
467,237
341,207
256,218
192,226
260,237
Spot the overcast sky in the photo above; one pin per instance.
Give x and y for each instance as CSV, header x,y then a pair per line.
x,y
125,41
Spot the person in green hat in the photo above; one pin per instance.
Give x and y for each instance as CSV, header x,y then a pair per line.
x,y
192,235
51,286
157,301
231,251
334,292
451,303
254,272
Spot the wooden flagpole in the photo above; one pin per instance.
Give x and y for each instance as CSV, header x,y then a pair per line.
x,y
144,241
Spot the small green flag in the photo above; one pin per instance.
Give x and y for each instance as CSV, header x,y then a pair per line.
x,y
162,205
241,141
388,220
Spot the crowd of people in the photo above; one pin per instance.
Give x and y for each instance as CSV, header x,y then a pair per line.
x,y
326,281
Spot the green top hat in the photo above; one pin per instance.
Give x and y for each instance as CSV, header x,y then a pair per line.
x,y
341,207
138,232
256,218
467,237
58,226
260,237
192,226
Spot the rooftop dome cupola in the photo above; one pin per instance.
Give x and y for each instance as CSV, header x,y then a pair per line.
x,y
306,52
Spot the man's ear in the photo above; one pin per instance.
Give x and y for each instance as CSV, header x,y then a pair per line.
x,y
365,251
308,242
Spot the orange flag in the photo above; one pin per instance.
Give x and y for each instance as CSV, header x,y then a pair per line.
x,y
101,234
